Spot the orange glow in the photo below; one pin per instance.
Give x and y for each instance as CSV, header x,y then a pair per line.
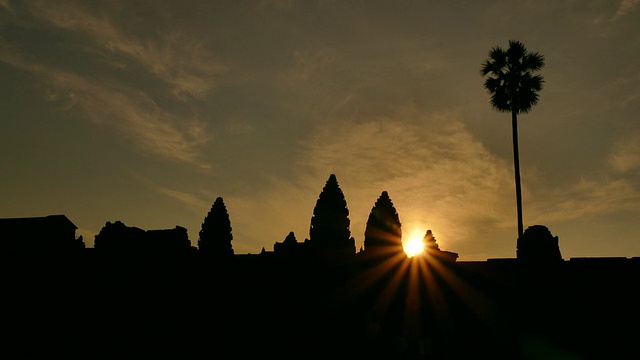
x,y
415,245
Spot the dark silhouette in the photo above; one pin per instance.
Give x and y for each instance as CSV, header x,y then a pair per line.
x,y
118,239
289,246
433,249
329,231
430,243
102,305
514,88
383,233
538,246
330,237
167,241
215,235
53,233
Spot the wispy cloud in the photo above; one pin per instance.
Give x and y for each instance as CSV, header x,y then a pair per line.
x,y
595,194
626,153
267,215
193,202
309,63
438,176
586,199
7,5
128,110
128,107
180,61
625,7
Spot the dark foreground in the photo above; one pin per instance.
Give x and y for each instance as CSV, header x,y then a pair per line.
x,y
94,307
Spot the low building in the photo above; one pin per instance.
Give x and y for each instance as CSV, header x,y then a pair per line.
x,y
52,233
119,238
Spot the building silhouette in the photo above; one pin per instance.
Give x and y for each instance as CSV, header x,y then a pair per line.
x,y
119,239
52,233
215,236
538,245
329,233
383,233
306,300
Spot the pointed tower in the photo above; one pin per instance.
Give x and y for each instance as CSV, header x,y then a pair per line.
x,y
383,234
433,249
215,236
430,243
329,232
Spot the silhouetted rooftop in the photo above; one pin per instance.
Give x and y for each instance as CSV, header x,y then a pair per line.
x,y
48,220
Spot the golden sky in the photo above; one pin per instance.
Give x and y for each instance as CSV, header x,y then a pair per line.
x,y
146,112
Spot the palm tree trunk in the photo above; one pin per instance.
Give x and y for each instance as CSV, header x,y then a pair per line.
x,y
516,165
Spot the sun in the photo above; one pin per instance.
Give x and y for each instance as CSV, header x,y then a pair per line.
x,y
414,246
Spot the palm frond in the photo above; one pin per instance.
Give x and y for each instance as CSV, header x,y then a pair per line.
x,y
533,61
511,80
495,63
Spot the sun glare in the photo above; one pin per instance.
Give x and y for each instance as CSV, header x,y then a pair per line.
x,y
414,246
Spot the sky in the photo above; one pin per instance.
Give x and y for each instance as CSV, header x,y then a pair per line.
x,y
147,111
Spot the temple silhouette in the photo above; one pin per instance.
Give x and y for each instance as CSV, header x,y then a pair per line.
x,y
150,293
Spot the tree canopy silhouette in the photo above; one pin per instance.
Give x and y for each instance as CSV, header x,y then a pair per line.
x,y
383,233
329,230
215,235
514,85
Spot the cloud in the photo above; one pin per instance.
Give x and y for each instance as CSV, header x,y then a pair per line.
x,y
264,216
598,193
7,6
239,127
586,199
439,177
310,63
625,7
190,201
152,129
178,60
437,174
626,153
128,110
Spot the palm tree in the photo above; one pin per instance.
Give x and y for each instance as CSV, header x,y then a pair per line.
x,y
514,87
